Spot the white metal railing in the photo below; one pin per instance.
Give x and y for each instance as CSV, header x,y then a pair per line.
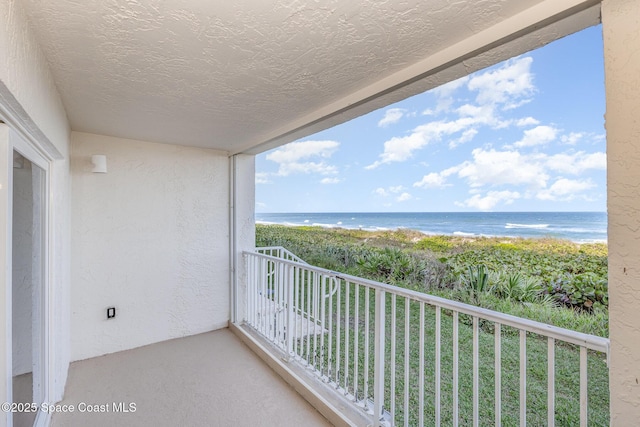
x,y
279,252
388,349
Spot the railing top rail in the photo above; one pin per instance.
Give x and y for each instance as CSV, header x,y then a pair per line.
x,y
267,248
578,338
293,256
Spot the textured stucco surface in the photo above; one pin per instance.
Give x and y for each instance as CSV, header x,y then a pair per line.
x,y
219,73
27,89
245,222
25,78
621,30
150,237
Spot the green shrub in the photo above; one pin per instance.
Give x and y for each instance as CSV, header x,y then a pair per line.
x,y
583,291
434,244
516,287
477,281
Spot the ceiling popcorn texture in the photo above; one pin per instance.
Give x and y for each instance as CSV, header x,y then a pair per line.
x,y
234,75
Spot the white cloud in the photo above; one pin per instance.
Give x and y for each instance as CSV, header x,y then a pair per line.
x,y
565,189
527,121
447,89
302,150
539,135
306,167
466,136
404,197
400,149
262,178
391,116
291,155
444,95
506,84
516,104
489,201
381,192
510,168
432,180
577,163
503,168
481,115
385,192
572,138
330,181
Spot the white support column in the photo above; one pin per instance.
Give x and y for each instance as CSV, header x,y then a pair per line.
x,y
621,32
242,231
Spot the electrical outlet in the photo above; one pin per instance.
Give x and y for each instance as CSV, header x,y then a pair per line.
x,y
111,312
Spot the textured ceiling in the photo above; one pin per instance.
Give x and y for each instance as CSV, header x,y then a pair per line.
x,y
232,75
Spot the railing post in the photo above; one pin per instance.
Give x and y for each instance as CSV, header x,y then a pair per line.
x,y
291,316
379,349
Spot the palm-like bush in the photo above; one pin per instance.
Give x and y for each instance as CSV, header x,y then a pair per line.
x,y
478,281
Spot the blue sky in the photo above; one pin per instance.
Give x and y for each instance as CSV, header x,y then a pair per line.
x,y
524,135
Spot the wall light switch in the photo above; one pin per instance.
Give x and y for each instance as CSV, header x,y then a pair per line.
x,y
111,312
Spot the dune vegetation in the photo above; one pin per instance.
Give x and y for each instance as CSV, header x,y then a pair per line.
x,y
549,280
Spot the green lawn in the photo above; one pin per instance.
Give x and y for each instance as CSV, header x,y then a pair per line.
x,y
566,363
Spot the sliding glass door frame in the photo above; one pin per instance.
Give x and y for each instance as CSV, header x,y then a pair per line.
x,y
10,140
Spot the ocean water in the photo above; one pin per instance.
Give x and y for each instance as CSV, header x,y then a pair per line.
x,y
581,227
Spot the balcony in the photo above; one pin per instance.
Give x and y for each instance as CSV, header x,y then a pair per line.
x,y
391,356
344,350
202,380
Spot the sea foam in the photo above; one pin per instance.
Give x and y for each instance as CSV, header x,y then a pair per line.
x,y
535,226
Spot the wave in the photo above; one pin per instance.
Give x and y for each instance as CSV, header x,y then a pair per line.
x,y
535,226
582,230
570,228
319,224
374,228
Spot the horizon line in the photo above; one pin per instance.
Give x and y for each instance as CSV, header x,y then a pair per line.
x,y
409,212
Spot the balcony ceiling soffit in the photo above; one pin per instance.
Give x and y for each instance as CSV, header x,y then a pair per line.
x,y
224,74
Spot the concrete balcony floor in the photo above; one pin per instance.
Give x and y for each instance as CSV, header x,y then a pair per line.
x,y
210,379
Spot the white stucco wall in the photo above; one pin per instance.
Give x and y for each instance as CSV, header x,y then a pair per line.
x,y
150,238
621,30
28,92
25,76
